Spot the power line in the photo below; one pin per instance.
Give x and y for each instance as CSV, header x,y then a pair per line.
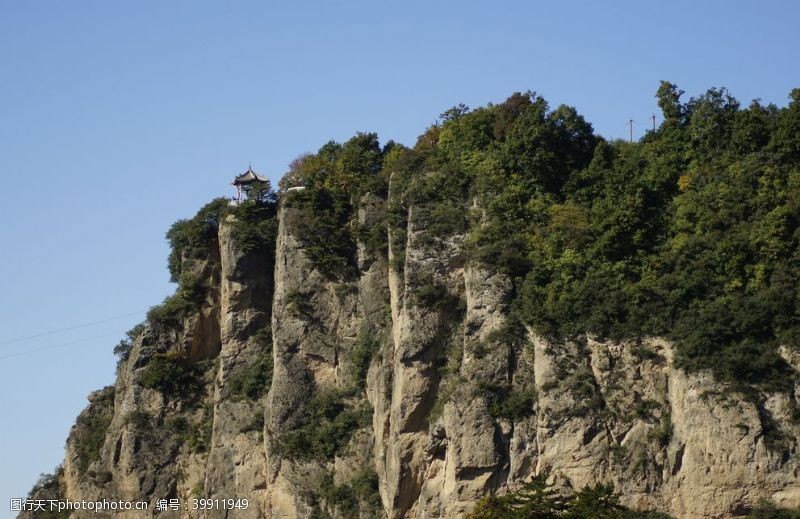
x,y
63,345
77,327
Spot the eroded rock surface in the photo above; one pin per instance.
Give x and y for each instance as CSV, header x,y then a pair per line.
x,y
462,401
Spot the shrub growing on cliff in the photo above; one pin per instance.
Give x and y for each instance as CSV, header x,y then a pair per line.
x,y
511,404
187,299
435,296
194,238
358,497
767,510
196,434
256,227
140,421
335,178
173,374
360,357
538,500
299,304
354,167
662,433
47,483
123,349
91,428
323,227
253,380
330,420
198,437
49,486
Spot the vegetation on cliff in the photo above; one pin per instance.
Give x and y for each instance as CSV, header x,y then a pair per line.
x,y
90,428
538,500
690,233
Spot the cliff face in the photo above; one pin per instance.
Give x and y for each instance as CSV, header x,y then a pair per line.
x,y
406,390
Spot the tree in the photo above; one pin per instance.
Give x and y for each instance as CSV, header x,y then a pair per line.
x,y
358,164
669,101
538,500
598,501
535,500
786,137
711,121
454,113
260,192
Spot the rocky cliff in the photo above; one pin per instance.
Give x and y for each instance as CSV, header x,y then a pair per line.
x,y
405,391
403,332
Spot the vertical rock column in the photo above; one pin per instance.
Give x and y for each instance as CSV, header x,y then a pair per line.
x,y
476,460
237,462
311,321
421,334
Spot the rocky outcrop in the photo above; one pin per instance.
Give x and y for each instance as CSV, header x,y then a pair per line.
x,y
461,399
236,464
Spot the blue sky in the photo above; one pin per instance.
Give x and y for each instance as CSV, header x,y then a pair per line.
x,y
117,118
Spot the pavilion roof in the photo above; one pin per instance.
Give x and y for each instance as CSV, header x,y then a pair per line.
x,y
248,177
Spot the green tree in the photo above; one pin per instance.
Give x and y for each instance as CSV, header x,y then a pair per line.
x,y
535,500
669,96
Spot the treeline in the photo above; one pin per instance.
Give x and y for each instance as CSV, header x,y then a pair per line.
x,y
690,233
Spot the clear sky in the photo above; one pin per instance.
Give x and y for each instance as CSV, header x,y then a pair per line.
x,y
117,118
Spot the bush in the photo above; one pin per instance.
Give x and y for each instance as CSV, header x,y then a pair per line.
x,y
177,425
329,423
354,167
359,497
324,230
188,299
194,238
140,421
662,434
92,426
767,510
254,380
47,483
299,304
435,296
47,487
442,219
123,349
198,437
256,424
514,404
373,236
508,403
174,375
256,227
360,357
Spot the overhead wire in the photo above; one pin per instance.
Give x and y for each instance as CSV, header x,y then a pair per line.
x,y
63,345
70,328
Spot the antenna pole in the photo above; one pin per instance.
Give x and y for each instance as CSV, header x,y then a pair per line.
x,y
654,121
630,127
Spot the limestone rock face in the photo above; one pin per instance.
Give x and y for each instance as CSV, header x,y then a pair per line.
x,y
236,463
460,399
